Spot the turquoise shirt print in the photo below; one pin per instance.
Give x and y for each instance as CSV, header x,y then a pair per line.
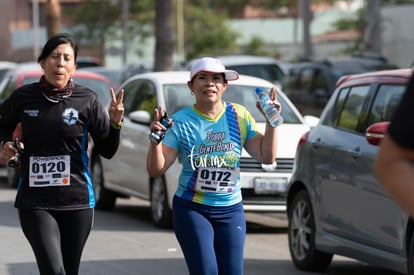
x,y
205,143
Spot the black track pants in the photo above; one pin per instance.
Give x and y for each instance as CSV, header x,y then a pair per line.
x,y
57,238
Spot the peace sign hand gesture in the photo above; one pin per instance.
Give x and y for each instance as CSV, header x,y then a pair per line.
x,y
116,110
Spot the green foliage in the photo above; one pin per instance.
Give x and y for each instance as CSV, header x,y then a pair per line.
x,y
272,4
142,11
92,17
255,47
231,7
358,22
207,33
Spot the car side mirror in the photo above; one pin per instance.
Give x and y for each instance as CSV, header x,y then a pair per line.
x,y
141,117
376,132
312,121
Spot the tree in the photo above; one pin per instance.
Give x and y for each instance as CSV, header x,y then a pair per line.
x,y
207,36
306,21
53,17
163,35
203,35
233,8
368,24
372,31
254,46
93,20
96,22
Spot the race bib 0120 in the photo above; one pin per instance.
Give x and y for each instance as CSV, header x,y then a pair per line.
x,y
49,171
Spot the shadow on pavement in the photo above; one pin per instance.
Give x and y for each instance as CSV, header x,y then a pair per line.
x,y
177,267
134,215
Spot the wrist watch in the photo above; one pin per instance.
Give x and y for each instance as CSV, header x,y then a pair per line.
x,y
117,125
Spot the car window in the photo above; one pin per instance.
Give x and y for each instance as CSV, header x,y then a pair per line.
x,y
337,109
29,80
146,98
177,96
9,87
354,102
305,79
130,91
320,85
270,72
3,72
100,87
386,101
140,95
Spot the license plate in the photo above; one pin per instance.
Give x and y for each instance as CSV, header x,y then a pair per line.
x,y
270,185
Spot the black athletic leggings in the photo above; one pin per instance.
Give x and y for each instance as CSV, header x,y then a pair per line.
x,y
57,238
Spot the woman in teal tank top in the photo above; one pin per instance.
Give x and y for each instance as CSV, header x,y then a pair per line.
x,y
209,136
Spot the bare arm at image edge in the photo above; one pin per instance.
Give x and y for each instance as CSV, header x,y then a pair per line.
x,y
394,168
394,164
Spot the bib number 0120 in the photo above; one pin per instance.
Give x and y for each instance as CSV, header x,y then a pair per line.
x,y
49,171
51,167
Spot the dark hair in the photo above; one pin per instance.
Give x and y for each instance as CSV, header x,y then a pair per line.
x,y
56,40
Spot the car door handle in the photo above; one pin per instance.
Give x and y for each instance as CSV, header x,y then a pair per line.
x,y
315,144
355,153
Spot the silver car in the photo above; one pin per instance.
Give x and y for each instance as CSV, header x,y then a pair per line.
x,y
335,203
263,186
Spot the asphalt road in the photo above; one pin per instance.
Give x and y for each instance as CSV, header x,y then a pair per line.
x,y
124,242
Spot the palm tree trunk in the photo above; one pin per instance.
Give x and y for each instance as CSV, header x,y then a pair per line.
x,y
164,46
52,17
372,31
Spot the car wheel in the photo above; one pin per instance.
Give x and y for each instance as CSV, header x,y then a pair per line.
x,y
13,176
161,213
410,260
301,235
105,199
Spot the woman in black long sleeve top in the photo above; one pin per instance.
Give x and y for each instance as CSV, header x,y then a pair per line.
x,y
55,196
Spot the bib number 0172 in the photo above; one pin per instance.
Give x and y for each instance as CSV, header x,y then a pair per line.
x,y
215,175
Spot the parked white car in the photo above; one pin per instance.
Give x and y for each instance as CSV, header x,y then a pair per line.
x,y
263,186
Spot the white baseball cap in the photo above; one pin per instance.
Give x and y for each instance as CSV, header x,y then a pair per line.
x,y
212,65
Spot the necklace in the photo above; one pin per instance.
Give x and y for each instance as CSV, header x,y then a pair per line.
x,y
50,99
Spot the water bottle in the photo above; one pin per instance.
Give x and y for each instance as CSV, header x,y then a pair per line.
x,y
272,114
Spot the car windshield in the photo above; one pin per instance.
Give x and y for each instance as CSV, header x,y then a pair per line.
x,y
178,96
100,87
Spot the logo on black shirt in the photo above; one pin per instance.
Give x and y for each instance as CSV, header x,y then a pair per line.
x,y
32,113
70,116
